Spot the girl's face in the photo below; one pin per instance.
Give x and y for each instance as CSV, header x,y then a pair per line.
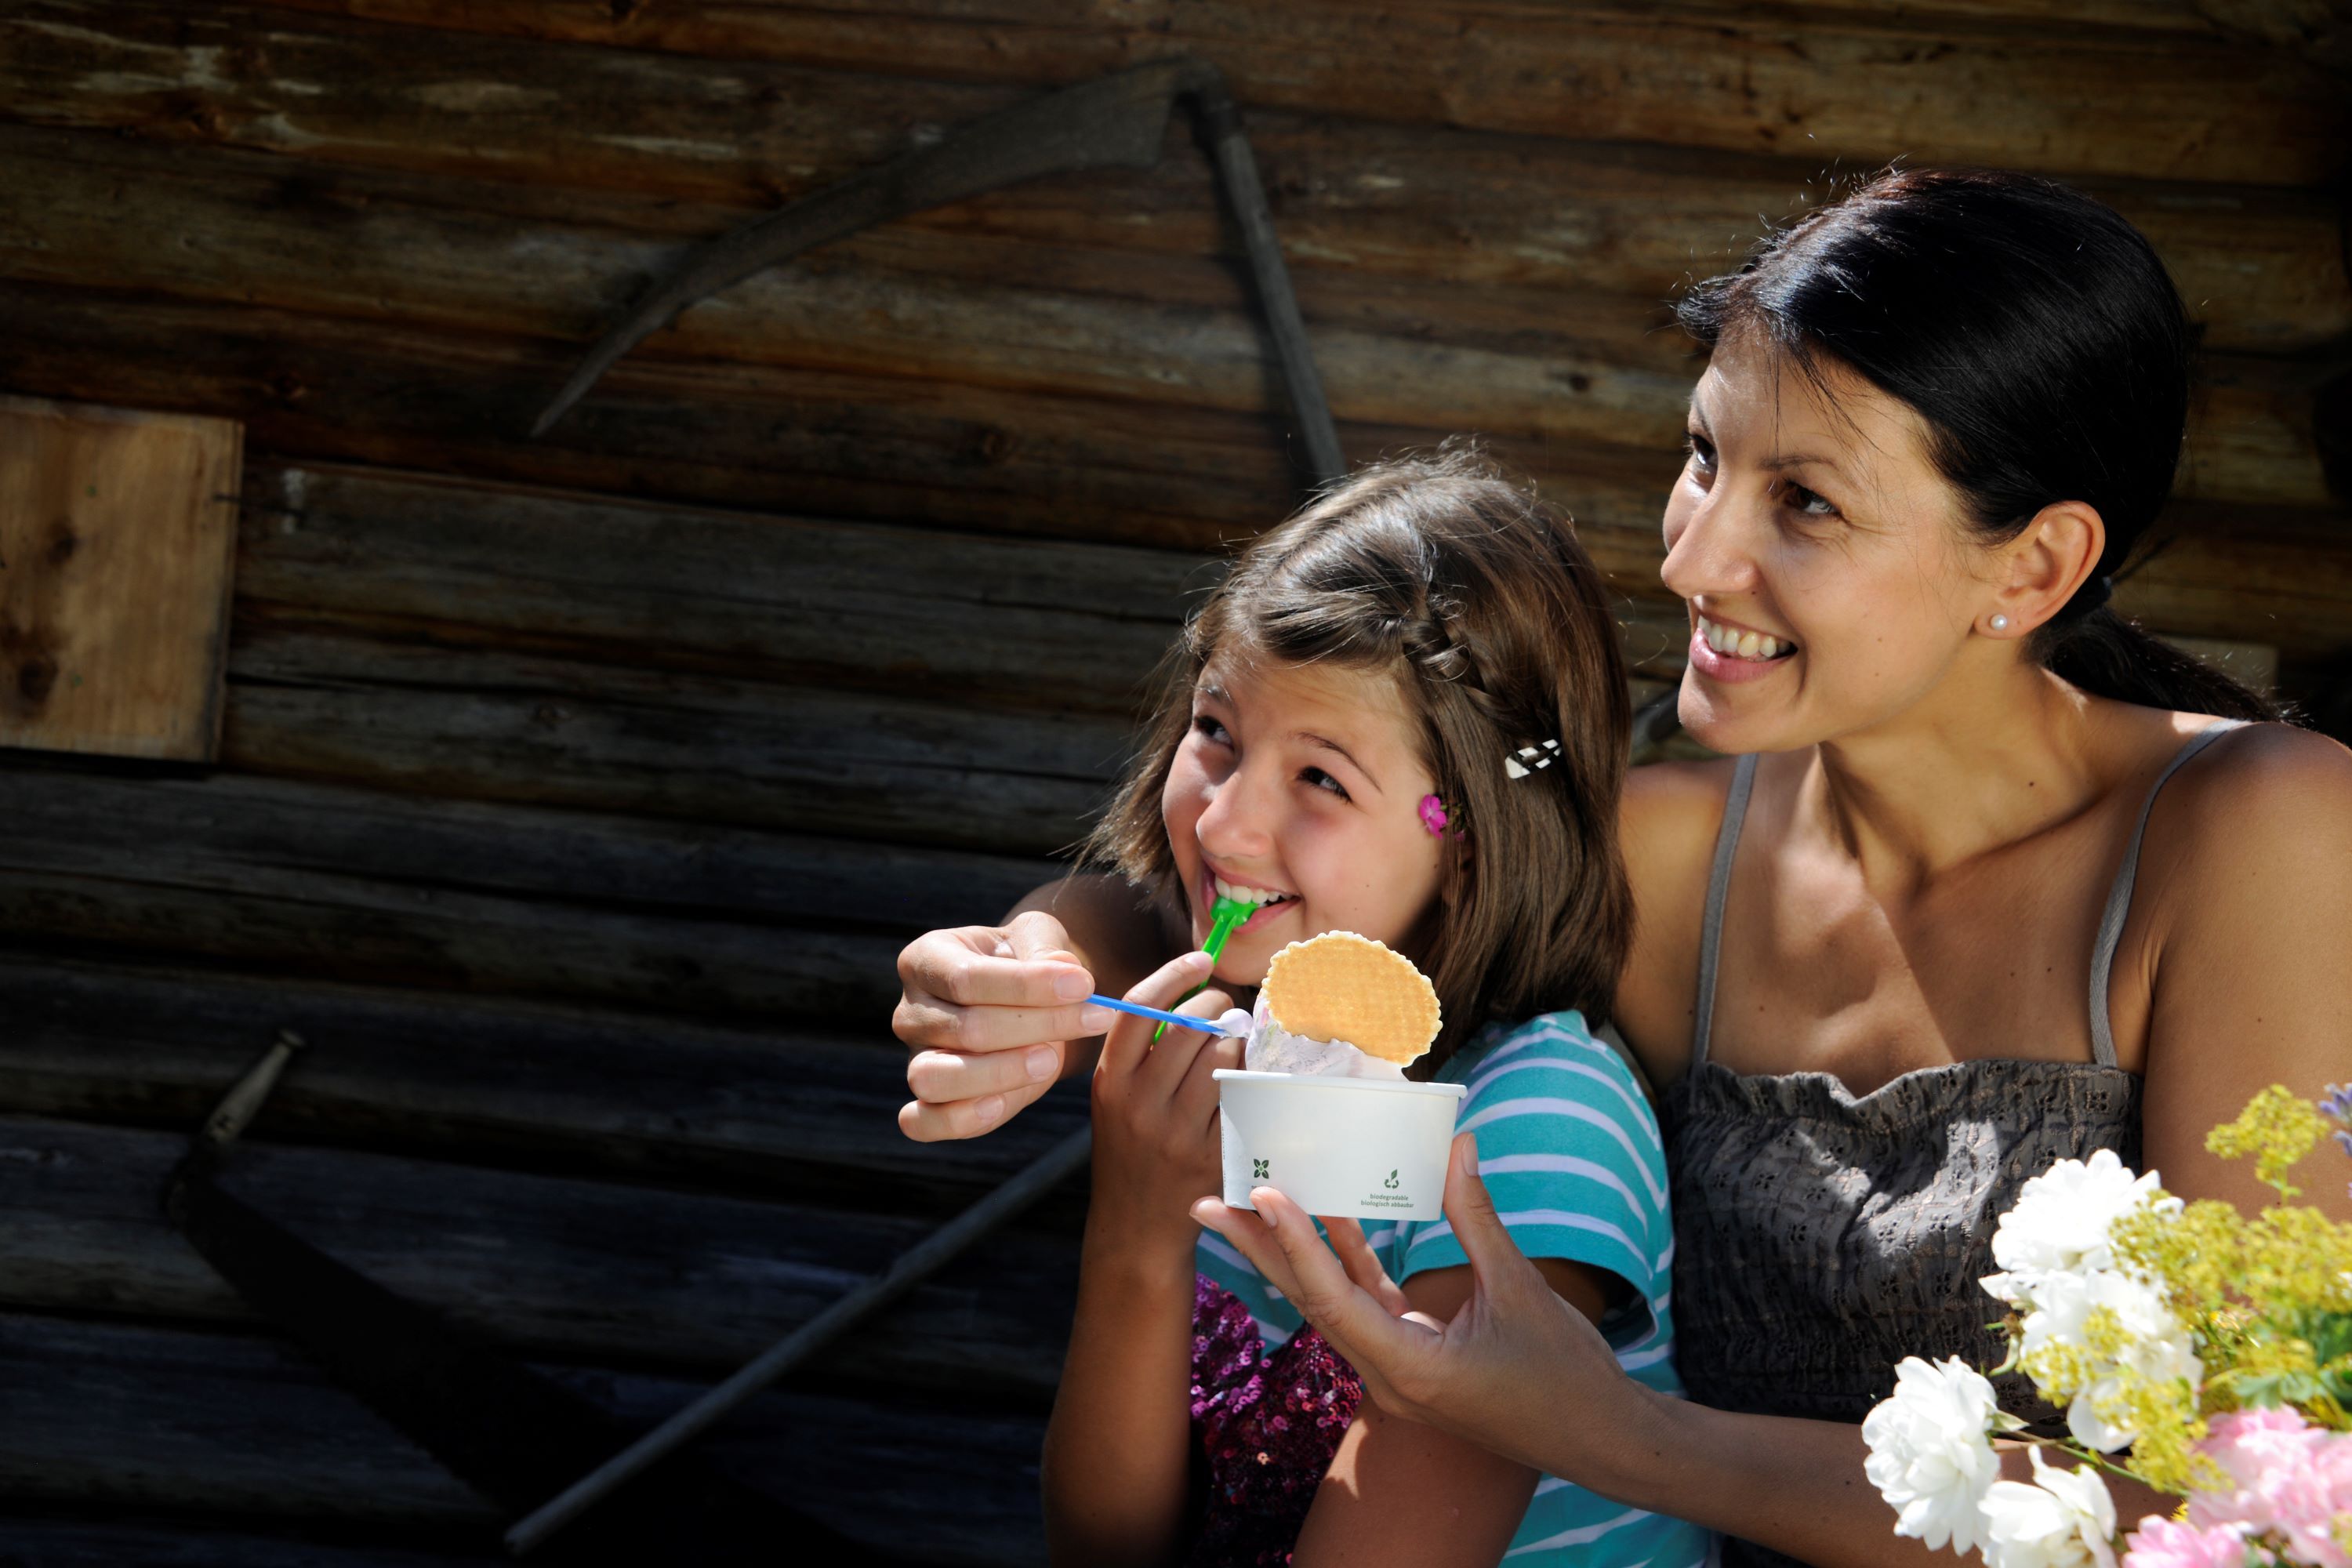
x,y
1830,582
1301,785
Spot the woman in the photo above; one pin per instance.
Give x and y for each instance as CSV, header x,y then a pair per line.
x,y
1992,884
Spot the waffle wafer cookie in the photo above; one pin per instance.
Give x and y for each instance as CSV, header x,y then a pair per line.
x,y
1342,986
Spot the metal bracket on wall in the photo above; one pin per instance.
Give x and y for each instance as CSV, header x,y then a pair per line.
x,y
1116,121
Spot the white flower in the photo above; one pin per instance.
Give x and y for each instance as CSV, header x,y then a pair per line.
x,y
2061,1218
1930,1455
2156,1346
2065,1519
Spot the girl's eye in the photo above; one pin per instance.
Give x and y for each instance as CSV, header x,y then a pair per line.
x,y
1808,503
1321,780
1209,729
1702,454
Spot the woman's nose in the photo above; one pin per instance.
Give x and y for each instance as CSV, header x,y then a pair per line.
x,y
1711,549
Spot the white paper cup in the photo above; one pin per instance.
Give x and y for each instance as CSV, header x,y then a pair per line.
x,y
1366,1148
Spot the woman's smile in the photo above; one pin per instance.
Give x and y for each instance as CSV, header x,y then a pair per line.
x,y
1727,652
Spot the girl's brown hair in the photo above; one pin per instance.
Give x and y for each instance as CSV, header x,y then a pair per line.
x,y
1478,600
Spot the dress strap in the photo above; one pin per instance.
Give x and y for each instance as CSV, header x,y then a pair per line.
x,y
1718,889
2119,897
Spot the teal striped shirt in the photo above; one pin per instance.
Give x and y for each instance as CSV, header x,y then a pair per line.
x,y
1570,1150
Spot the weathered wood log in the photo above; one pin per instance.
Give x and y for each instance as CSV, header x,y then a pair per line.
x,y
536,1085
2262,268
173,1424
353,885
548,1267
66,1544
486,724
1824,82
1512,360
810,443
1023,624
835,445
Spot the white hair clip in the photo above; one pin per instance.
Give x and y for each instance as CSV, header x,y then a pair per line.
x,y
1528,759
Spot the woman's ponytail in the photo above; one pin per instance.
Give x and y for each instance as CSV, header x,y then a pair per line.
x,y
2038,335
2107,655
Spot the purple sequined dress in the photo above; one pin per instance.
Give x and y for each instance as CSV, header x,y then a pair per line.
x,y
1266,1425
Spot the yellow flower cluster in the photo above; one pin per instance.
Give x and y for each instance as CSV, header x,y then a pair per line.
x,y
2268,1300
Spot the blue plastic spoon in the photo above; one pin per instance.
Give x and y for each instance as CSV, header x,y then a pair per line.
x,y
1181,1020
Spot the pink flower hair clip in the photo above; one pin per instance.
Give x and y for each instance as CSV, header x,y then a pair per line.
x,y
1435,817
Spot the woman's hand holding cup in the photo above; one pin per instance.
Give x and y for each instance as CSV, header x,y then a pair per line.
x,y
990,1013
1517,1371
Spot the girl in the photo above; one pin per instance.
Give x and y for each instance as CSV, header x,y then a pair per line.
x,y
1403,714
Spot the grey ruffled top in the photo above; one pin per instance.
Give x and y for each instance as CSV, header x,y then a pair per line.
x,y
1821,1237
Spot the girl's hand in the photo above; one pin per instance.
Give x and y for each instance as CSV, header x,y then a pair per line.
x,y
991,1013
1517,1371
1155,1115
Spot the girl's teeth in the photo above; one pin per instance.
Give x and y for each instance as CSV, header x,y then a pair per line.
x,y
1748,645
1245,895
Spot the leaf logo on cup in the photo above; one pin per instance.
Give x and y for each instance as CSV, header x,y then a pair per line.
x,y
1257,1169
1392,1182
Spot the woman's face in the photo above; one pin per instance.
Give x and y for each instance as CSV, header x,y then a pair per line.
x,y
1300,785
1830,582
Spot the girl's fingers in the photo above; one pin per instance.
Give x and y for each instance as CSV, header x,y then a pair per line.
x,y
941,1078
1128,1049
992,966
927,1123
929,1024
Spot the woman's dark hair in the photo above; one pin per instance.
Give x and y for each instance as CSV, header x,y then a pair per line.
x,y
1478,600
2038,335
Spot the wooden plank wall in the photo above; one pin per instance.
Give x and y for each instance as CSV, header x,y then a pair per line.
x,y
576,794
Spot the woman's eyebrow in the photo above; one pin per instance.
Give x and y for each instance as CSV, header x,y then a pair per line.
x,y
1330,745
1781,461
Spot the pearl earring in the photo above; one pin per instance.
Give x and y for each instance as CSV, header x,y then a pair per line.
x,y
2000,622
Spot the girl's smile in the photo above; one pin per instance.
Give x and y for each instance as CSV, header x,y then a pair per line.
x,y
1297,788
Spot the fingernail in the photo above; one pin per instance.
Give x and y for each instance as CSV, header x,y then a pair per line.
x,y
1072,983
987,1110
1043,1062
1465,1155
1095,1020
1265,1212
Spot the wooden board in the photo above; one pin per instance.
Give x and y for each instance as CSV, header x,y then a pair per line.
x,y
561,1267
1821,82
117,537
353,885
171,1426
1523,360
1021,625
558,1089
2263,269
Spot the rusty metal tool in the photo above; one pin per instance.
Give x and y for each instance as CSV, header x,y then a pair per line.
x,y
1116,121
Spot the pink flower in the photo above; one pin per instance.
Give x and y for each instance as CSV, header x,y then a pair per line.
x,y
1432,815
2161,1543
2286,1477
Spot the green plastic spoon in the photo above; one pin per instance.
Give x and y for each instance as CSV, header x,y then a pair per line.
x,y
1224,916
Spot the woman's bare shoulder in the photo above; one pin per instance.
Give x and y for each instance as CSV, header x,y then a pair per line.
x,y
2250,912
2266,794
